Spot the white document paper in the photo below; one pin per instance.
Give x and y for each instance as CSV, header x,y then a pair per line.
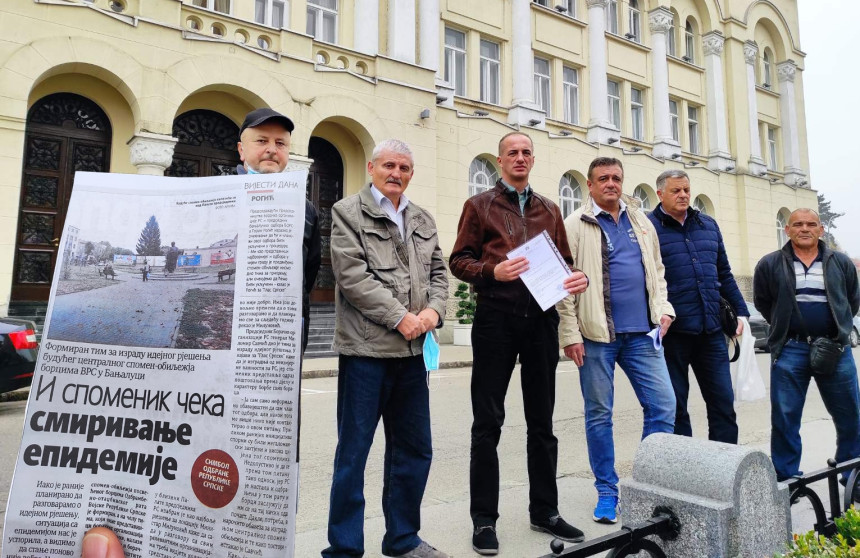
x,y
165,404
547,269
654,334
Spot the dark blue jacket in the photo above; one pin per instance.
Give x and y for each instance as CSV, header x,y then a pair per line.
x,y
697,271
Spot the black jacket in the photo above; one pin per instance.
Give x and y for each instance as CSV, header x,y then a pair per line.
x,y
774,292
311,258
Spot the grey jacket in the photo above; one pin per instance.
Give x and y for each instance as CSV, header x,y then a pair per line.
x,y
380,278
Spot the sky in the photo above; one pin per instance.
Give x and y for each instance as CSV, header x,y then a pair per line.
x,y
831,82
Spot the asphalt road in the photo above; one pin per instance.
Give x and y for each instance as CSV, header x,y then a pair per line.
x,y
445,514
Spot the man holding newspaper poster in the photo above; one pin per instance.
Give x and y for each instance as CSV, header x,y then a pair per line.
x,y
392,287
509,322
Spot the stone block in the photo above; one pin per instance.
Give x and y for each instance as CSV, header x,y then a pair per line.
x,y
726,497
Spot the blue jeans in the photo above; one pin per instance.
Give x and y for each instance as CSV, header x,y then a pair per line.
x,y
789,381
707,354
396,390
646,369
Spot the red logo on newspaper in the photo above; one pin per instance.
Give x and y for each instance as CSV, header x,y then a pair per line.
x,y
215,478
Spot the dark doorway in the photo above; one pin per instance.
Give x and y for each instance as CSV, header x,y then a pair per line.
x,y
65,133
325,187
207,145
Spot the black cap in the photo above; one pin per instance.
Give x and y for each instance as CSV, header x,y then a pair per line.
x,y
257,117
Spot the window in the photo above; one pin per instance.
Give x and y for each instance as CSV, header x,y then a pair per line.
x,y
570,83
542,3
673,119
766,69
771,148
634,21
222,6
689,44
613,91
569,194
644,201
322,20
455,60
612,16
482,176
670,36
270,12
571,7
693,128
699,205
781,237
490,69
637,113
542,84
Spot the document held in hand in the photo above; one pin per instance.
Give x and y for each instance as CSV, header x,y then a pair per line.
x,y
547,269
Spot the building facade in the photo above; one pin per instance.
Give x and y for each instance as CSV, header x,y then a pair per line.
x,y
161,86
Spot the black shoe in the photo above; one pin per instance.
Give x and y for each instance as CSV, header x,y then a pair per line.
x,y
484,540
559,528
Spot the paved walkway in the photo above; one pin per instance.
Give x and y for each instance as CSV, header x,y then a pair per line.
x,y
451,356
130,313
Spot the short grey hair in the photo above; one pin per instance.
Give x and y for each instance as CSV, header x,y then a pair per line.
x,y
666,175
393,145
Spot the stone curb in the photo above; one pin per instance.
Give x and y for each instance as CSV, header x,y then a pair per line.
x,y
17,395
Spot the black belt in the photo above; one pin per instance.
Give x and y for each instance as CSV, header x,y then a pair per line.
x,y
797,337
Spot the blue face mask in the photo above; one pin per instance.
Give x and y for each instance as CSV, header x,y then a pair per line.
x,y
251,171
431,351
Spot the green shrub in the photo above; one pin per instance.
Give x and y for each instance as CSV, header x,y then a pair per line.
x,y
466,305
846,543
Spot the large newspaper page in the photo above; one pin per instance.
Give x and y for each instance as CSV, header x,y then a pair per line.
x,y
165,399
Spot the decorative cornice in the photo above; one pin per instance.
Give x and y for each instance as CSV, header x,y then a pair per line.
x,y
596,3
786,70
660,20
713,43
750,52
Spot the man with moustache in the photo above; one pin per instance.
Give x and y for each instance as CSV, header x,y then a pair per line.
x,y
698,274
392,287
510,323
621,318
806,291
264,148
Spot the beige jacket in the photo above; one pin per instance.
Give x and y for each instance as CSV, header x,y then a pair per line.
x,y
380,278
589,314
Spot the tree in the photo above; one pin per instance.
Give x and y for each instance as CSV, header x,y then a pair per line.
x,y
88,249
149,243
828,219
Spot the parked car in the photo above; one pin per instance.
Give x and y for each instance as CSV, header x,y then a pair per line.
x,y
18,350
855,331
759,327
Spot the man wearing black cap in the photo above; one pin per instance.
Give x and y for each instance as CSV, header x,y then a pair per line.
x,y
264,147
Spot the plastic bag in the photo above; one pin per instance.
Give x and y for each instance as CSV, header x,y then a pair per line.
x,y
746,377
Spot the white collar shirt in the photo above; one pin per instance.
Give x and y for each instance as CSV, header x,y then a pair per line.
x,y
396,215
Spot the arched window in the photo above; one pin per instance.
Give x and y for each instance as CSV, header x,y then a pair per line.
x,y
767,69
482,176
569,194
670,35
699,205
644,201
781,222
689,43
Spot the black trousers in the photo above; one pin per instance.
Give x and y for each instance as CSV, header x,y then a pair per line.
x,y
497,339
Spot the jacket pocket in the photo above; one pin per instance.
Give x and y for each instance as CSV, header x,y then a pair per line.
x,y
379,248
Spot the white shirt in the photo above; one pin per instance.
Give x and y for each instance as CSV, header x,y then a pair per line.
x,y
597,210
396,215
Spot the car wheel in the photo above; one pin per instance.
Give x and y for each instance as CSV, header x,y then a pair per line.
x,y
854,337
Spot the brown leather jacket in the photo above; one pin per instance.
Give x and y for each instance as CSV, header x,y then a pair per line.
x,y
491,225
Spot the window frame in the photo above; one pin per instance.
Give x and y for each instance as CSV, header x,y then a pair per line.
x,y
612,18
693,129
671,46
699,205
210,5
542,83
770,138
568,203
781,237
455,63
640,194
689,42
634,21
767,70
614,103
319,20
487,66
637,114
571,95
674,121
480,166
269,12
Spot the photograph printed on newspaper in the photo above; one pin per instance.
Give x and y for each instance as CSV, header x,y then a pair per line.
x,y
165,401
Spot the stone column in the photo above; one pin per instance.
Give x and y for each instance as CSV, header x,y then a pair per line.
x,y
756,163
600,129
298,162
524,111
660,21
401,30
719,156
788,111
151,153
367,27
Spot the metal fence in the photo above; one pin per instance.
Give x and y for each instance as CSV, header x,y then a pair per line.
x,y
630,540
